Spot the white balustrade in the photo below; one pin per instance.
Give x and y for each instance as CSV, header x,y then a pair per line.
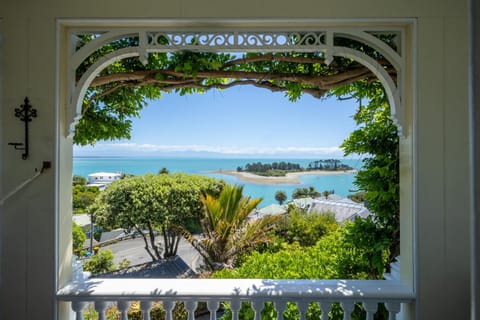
x,y
215,292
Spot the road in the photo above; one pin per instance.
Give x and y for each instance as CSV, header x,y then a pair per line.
x,y
134,251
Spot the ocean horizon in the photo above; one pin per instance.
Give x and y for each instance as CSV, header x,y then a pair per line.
x,y
341,183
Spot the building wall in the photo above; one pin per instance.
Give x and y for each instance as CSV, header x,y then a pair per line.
x,y
475,130
439,135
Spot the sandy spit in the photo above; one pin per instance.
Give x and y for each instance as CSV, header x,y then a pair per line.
x,y
290,178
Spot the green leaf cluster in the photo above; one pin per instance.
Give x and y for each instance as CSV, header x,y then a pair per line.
x,y
173,198
79,180
100,262
79,238
304,228
280,196
377,139
83,197
311,192
332,257
227,231
107,110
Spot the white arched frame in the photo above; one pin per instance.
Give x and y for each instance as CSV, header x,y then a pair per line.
x,y
245,40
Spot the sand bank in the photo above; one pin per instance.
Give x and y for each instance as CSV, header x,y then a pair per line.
x,y
290,178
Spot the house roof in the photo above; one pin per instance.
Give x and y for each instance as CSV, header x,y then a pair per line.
x,y
303,203
344,209
269,210
100,185
82,219
112,235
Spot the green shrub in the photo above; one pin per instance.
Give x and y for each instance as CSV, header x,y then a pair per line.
x,y
82,197
79,238
305,228
324,260
334,256
100,262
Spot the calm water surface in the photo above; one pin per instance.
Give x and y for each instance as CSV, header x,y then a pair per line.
x,y
341,183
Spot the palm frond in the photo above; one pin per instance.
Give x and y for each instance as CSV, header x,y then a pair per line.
x,y
226,227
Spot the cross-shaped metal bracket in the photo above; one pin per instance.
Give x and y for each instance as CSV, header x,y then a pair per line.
x,y
26,113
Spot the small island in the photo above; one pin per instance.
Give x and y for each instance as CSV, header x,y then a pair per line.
x,y
280,169
286,172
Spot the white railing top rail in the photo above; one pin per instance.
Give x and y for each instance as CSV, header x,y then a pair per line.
x,y
97,289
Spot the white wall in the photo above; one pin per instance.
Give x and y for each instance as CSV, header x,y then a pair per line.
x,y
440,137
475,128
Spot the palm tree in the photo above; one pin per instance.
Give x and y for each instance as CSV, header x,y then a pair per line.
x,y
226,229
280,196
326,193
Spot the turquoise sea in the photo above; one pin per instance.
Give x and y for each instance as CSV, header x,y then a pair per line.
x,y
341,183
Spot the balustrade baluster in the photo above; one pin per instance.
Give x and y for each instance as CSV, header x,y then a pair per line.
x,y
146,306
302,309
370,307
212,306
235,306
168,305
100,307
347,307
280,305
191,306
123,306
257,306
325,307
393,309
281,293
78,307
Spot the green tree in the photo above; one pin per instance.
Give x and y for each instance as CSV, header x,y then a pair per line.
x,y
227,232
83,196
280,196
163,171
305,193
326,193
377,139
152,203
79,180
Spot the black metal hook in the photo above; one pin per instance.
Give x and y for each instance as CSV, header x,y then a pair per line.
x,y
26,113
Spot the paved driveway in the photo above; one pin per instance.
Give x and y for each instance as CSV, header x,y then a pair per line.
x,y
134,251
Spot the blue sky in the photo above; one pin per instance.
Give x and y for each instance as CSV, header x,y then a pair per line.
x,y
238,122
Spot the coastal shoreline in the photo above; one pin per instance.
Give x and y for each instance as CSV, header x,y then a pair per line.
x,y
290,178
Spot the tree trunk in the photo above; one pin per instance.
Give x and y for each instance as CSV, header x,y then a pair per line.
x,y
152,241
146,243
171,239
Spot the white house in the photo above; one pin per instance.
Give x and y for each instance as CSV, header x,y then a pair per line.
x,y
102,179
435,101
